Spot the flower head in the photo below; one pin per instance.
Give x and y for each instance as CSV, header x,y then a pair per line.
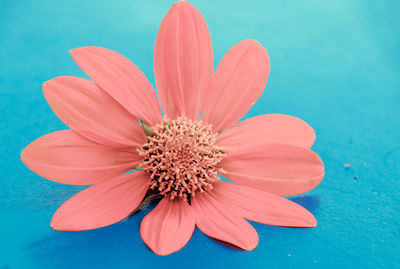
x,y
178,157
181,157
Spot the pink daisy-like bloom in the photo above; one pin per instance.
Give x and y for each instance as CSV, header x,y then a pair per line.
x,y
177,157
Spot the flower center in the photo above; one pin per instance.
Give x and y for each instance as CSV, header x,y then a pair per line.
x,y
181,157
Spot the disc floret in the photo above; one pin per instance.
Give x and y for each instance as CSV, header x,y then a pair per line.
x,y
181,157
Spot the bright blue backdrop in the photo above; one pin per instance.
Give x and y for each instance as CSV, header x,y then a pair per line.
x,y
334,64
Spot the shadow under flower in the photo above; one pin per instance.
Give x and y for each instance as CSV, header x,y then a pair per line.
x,y
101,247
97,248
310,202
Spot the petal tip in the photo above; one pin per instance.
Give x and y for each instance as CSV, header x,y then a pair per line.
x,y
76,51
55,226
22,154
154,248
253,243
46,86
309,220
26,157
255,43
182,4
59,227
313,222
314,136
73,52
252,246
161,252
25,154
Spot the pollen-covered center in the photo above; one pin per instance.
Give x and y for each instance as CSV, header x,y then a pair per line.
x,y
181,157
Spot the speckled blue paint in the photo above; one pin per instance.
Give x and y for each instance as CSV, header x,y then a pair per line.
x,y
336,64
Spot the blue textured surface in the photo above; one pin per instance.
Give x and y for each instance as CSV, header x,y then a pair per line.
x,y
334,64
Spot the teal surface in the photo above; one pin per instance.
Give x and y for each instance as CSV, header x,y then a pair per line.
x,y
335,64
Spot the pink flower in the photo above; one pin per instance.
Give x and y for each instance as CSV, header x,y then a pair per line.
x,y
179,156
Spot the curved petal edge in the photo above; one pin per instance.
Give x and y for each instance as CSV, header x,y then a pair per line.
x,y
90,111
277,168
264,129
183,61
102,204
219,221
260,206
66,157
168,227
236,85
122,79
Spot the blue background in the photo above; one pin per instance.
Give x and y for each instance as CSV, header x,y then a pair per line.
x,y
334,64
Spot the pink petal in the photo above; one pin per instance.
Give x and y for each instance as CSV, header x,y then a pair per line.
x,y
168,227
67,157
121,79
278,168
221,221
238,82
102,204
93,113
183,61
272,128
264,207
